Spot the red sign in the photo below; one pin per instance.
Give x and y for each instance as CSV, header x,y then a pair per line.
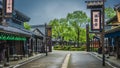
x,y
95,19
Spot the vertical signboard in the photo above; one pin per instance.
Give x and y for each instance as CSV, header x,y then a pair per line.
x,y
95,20
8,7
49,32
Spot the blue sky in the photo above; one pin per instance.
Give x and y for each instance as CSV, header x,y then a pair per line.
x,y
42,11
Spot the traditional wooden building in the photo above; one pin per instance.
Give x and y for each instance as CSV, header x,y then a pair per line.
x,y
46,34
13,37
39,46
113,34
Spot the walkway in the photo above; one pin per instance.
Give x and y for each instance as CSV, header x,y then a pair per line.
x,y
111,60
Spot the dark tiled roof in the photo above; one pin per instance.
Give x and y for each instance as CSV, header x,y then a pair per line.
x,y
40,27
13,30
21,15
38,31
117,7
112,19
113,30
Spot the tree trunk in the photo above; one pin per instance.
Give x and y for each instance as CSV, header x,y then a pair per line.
x,y
78,38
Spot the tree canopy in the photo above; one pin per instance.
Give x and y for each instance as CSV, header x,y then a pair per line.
x,y
109,12
27,26
70,28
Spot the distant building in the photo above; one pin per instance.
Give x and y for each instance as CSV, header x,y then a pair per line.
x,y
45,32
38,41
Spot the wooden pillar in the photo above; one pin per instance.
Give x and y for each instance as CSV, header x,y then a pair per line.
x,y
32,46
109,46
95,45
36,45
117,47
98,43
91,45
87,38
7,51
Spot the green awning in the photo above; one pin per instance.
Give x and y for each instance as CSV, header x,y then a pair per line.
x,y
11,37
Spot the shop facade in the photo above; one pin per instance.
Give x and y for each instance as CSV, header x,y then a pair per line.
x,y
113,35
13,37
38,41
46,32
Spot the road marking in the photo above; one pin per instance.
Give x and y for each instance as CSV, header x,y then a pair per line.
x,y
66,61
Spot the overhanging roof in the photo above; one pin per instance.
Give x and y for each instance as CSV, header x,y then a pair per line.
x,y
113,32
112,20
16,31
117,7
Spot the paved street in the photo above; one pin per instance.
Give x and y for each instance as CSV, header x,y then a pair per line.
x,y
53,60
56,58
84,60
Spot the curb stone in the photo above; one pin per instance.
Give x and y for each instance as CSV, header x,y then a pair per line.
x,y
113,65
25,61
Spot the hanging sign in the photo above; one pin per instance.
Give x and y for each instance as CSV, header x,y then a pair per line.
x,y
49,31
95,20
8,7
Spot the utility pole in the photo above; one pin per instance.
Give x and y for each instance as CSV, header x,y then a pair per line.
x,y
102,35
87,38
46,38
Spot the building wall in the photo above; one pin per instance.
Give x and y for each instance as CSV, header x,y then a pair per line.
x,y
118,16
19,47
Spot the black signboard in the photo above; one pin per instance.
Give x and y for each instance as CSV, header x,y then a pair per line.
x,y
95,20
8,7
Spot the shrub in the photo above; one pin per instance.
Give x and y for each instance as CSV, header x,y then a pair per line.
x,y
73,49
83,48
57,47
95,49
70,48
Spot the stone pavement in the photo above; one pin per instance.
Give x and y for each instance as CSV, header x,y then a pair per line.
x,y
111,60
17,63
83,59
55,59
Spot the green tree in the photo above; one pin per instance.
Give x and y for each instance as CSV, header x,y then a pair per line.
x,y
55,28
109,13
76,19
27,26
70,28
